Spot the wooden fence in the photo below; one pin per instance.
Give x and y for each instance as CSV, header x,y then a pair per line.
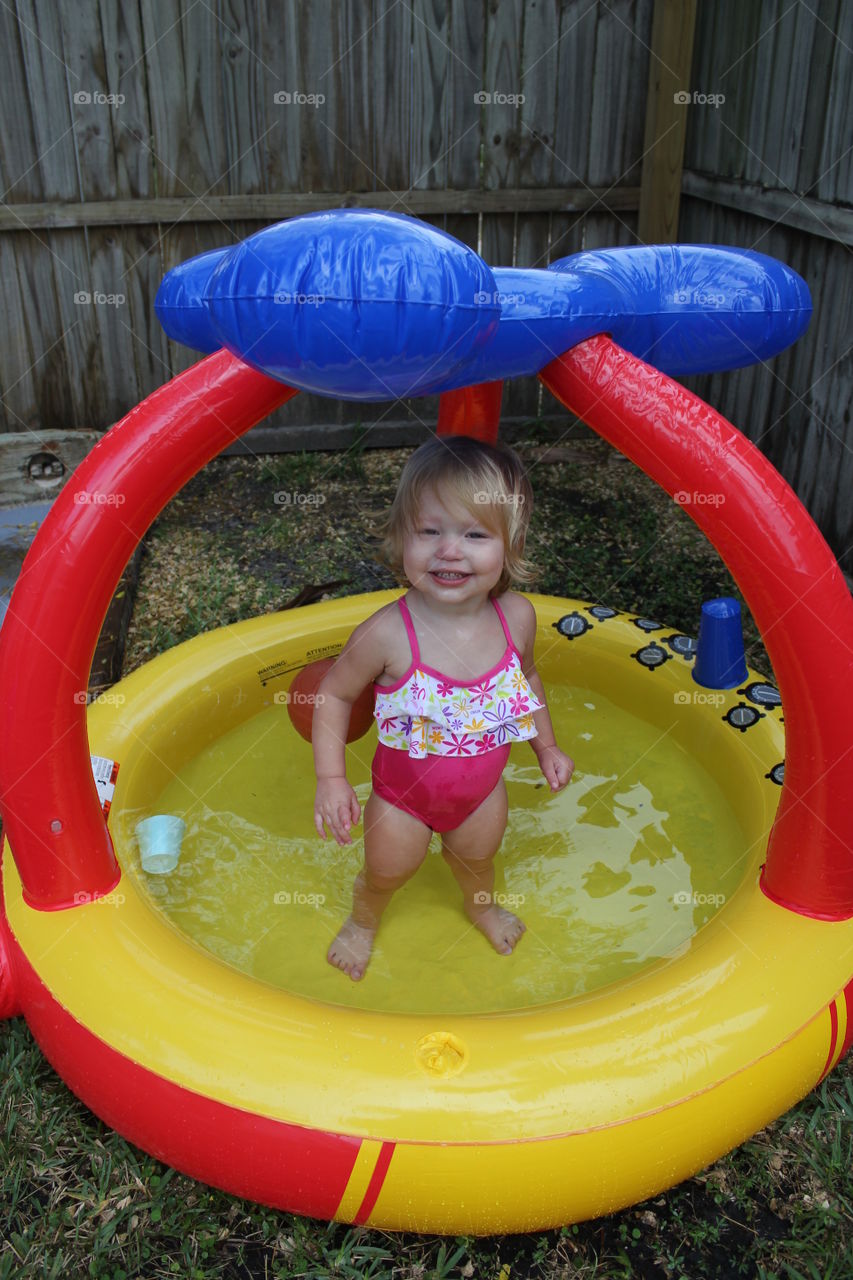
x,y
771,169
134,136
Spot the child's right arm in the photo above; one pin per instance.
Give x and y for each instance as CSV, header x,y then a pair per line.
x,y
358,664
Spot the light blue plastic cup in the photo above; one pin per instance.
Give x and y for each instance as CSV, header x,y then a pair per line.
x,y
160,839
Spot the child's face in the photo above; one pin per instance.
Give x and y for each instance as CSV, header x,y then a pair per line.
x,y
451,555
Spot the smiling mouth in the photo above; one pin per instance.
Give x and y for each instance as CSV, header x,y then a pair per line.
x,y
447,576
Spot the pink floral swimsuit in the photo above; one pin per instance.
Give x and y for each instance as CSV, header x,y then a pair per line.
x,y
443,744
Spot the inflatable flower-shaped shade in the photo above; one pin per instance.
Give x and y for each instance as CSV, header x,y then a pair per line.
x,y
359,304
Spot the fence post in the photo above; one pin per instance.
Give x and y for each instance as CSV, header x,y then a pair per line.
x,y
673,24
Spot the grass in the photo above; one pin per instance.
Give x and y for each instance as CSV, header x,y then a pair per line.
x,y
244,536
78,1200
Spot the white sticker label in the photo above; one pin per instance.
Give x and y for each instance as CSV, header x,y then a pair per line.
x,y
105,773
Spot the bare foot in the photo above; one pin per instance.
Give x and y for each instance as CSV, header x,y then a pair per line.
x,y
501,927
351,948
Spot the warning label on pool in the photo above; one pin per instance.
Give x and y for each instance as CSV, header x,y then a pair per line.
x,y
287,665
105,773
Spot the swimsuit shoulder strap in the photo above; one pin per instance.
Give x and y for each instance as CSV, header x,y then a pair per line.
x,y
503,623
410,631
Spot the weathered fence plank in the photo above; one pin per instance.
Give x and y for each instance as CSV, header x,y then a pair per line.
x,y
666,120
270,208
817,217
433,130
834,179
60,279
616,131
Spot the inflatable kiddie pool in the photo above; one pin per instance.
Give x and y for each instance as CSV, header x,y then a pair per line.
x,y
686,972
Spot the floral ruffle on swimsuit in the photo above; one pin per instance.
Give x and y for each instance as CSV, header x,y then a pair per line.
x,y
425,713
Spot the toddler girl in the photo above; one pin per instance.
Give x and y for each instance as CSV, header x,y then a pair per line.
x,y
455,685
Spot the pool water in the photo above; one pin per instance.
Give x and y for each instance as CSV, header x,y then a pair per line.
x,y
617,870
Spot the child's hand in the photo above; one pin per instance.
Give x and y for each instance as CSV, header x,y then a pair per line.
x,y
556,766
336,805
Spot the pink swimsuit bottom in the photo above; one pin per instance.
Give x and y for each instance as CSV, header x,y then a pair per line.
x,y
439,790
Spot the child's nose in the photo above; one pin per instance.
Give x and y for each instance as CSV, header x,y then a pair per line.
x,y
450,548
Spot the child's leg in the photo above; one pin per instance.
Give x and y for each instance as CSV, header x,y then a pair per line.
x,y
469,850
395,845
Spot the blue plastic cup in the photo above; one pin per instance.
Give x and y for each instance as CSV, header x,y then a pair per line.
x,y
160,842
720,658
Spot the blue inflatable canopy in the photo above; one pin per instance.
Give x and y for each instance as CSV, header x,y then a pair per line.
x,y
359,304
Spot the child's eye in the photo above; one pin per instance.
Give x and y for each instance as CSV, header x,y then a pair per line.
x,y
472,533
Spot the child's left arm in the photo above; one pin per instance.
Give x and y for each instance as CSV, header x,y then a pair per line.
x,y
554,763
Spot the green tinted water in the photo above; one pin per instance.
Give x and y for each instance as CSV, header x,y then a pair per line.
x,y
615,871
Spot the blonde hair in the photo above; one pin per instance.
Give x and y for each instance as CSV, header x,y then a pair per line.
x,y
488,480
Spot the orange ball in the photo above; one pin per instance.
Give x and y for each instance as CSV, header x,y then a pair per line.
x,y
301,698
